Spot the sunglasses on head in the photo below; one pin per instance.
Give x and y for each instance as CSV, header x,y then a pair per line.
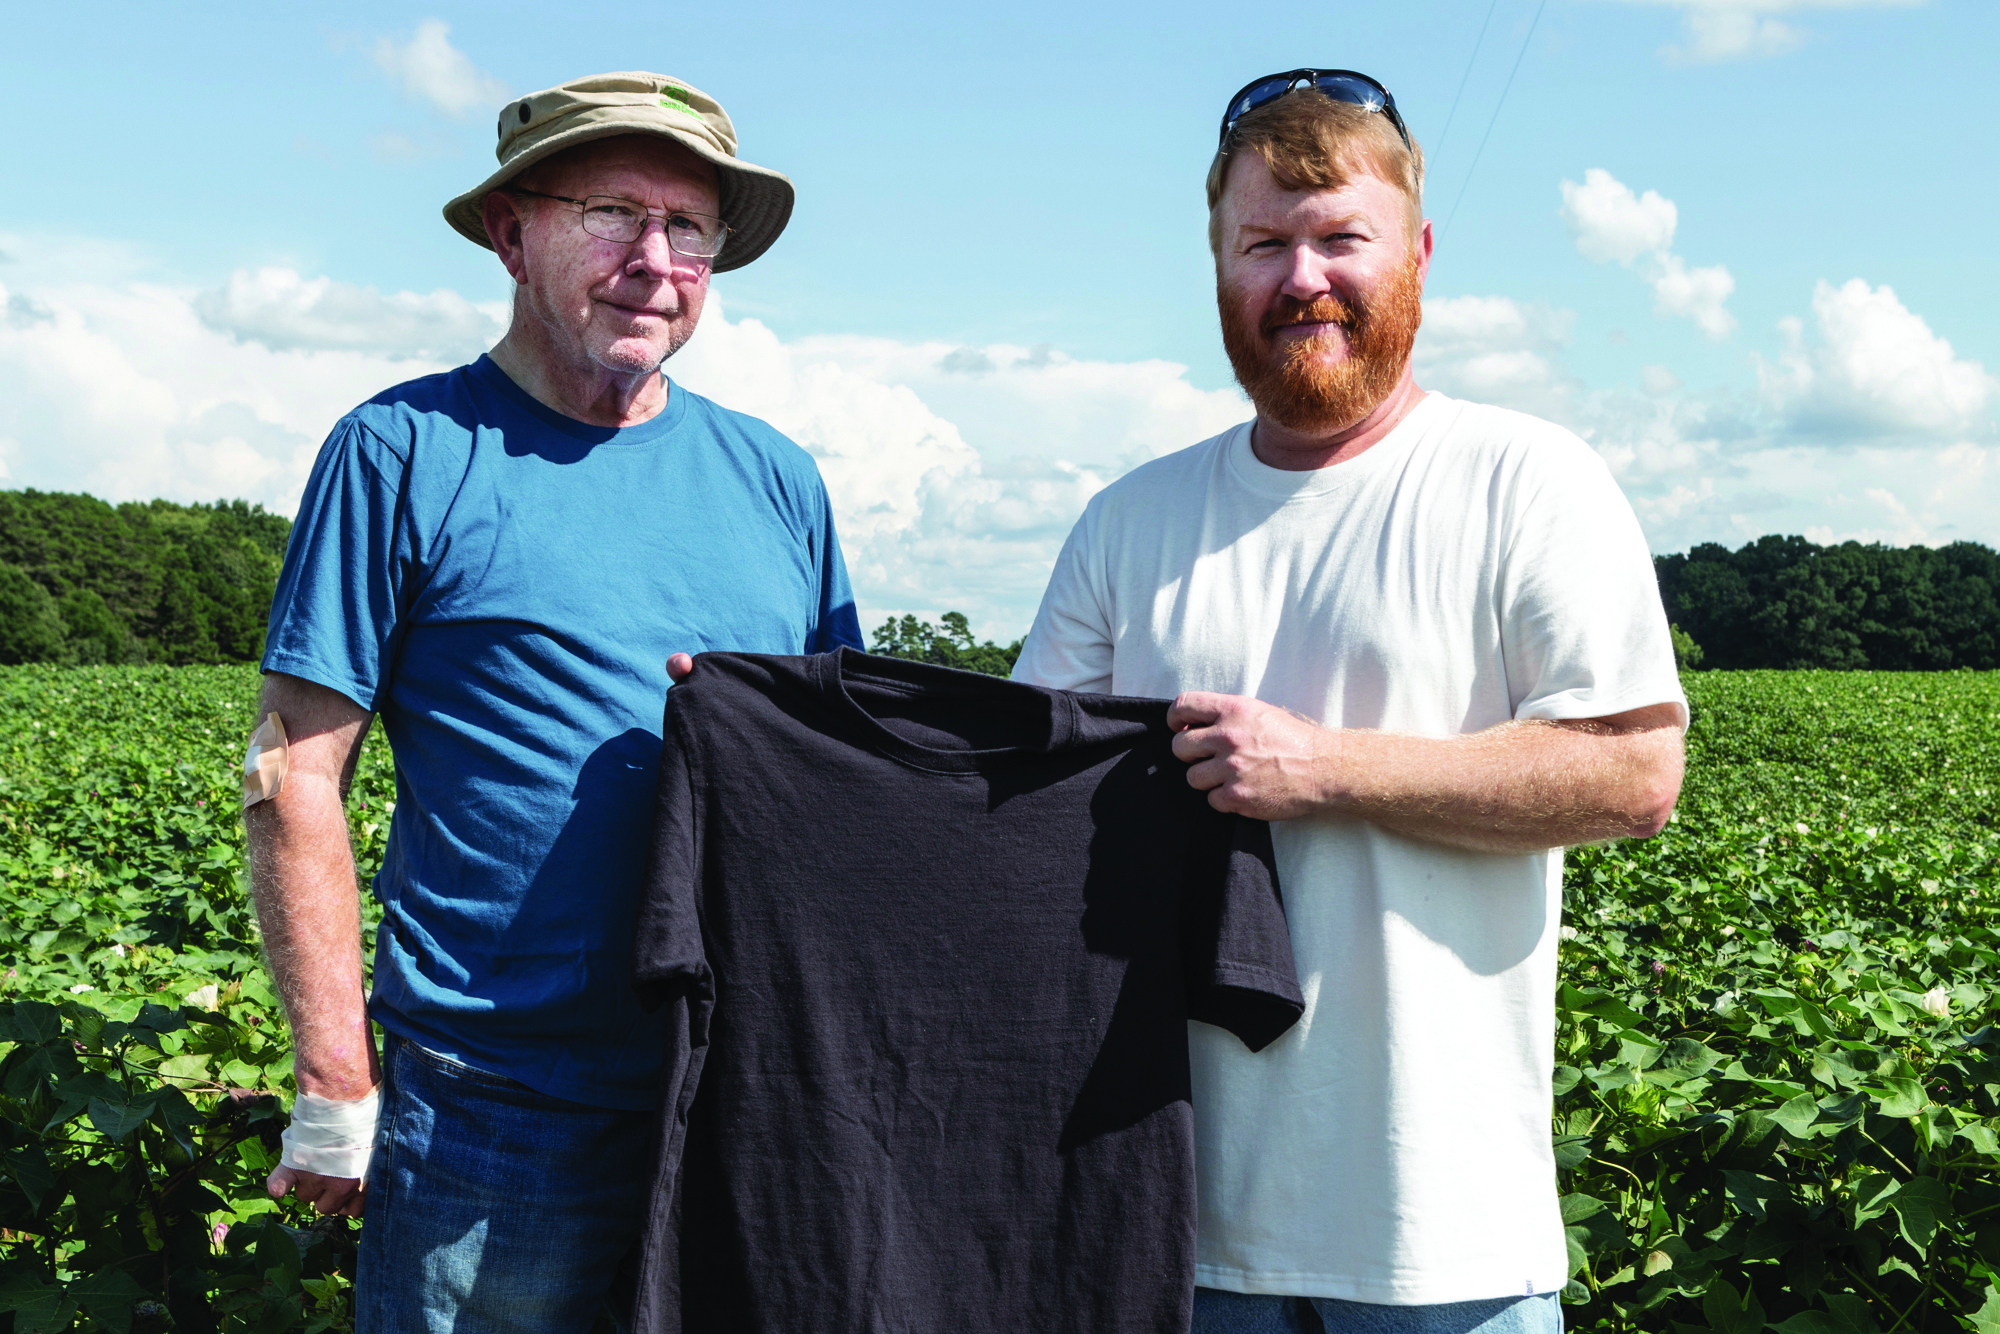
x,y
1342,85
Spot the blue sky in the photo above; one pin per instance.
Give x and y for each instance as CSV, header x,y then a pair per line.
x,y
1766,295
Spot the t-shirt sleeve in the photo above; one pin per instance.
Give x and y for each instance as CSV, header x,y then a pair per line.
x,y
1069,645
1583,633
349,567
1236,948
837,622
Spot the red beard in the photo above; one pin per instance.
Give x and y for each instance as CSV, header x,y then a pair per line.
x,y
1297,390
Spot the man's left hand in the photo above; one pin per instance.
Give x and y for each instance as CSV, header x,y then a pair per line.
x,y
1253,758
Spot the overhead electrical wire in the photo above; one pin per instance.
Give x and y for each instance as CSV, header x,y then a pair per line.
x,y
1438,147
1464,185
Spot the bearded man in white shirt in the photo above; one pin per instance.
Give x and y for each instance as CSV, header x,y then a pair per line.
x,y
1423,637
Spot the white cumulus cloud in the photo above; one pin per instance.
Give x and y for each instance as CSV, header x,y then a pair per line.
x,y
1493,349
429,67
1746,29
1611,224
1720,464
285,310
1876,370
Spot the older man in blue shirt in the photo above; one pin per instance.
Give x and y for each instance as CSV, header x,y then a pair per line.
x,y
499,561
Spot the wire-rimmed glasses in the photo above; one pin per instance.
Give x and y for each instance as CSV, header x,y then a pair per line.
x,y
610,218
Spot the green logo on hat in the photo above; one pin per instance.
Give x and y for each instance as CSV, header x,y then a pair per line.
x,y
671,99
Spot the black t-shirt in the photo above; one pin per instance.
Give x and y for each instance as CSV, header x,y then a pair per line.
x,y
931,940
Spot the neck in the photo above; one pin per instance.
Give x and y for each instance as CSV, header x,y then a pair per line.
x,y
1282,447
576,386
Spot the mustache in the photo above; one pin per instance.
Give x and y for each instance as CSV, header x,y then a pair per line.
x,y
1326,309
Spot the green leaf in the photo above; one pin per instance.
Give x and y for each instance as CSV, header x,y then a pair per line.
x,y
1598,1004
1748,1191
1797,1116
38,1307
1852,1312
1682,1059
1921,1204
191,1066
279,1247
117,1120
109,1296
29,1167
1902,1097
1571,1151
1576,1208
37,1022
1731,1313
1872,1196
160,1018
1986,1320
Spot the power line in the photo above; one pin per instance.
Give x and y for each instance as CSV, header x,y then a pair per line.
x,y
1466,184
1438,148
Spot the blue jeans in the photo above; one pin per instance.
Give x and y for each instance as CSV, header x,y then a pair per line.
x,y
494,1209
1219,1312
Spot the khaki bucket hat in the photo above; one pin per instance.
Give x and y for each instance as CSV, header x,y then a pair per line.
x,y
756,201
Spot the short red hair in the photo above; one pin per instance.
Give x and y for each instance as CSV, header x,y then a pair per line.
x,y
1309,141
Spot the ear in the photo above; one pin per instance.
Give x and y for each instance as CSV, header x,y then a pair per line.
x,y
1426,238
505,227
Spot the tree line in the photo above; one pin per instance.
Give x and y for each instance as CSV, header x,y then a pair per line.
x,y
1785,602
83,581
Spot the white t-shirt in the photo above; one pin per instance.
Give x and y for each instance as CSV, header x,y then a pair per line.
x,y
1475,566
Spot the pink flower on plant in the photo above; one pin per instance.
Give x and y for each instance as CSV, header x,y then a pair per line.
x,y
220,1231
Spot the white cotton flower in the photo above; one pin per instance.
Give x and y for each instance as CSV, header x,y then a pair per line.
x,y
80,988
1803,827
205,997
1728,930
1567,932
1937,1002
118,950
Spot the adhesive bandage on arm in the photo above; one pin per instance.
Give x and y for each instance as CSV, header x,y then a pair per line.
x,y
264,764
331,1137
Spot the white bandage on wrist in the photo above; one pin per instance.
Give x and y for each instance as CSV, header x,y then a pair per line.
x,y
264,764
331,1137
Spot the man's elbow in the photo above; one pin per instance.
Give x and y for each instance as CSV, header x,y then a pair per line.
x,y
1652,805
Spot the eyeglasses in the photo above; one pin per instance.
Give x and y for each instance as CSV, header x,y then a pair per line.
x,y
609,218
1342,85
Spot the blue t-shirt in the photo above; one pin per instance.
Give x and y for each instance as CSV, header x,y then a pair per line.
x,y
503,586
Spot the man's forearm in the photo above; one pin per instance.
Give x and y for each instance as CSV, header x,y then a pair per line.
x,y
1518,787
308,906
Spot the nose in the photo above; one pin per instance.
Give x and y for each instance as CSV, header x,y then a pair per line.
x,y
1306,280
652,256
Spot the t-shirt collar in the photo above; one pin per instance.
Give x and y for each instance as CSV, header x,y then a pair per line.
x,y
834,670
488,373
1283,484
